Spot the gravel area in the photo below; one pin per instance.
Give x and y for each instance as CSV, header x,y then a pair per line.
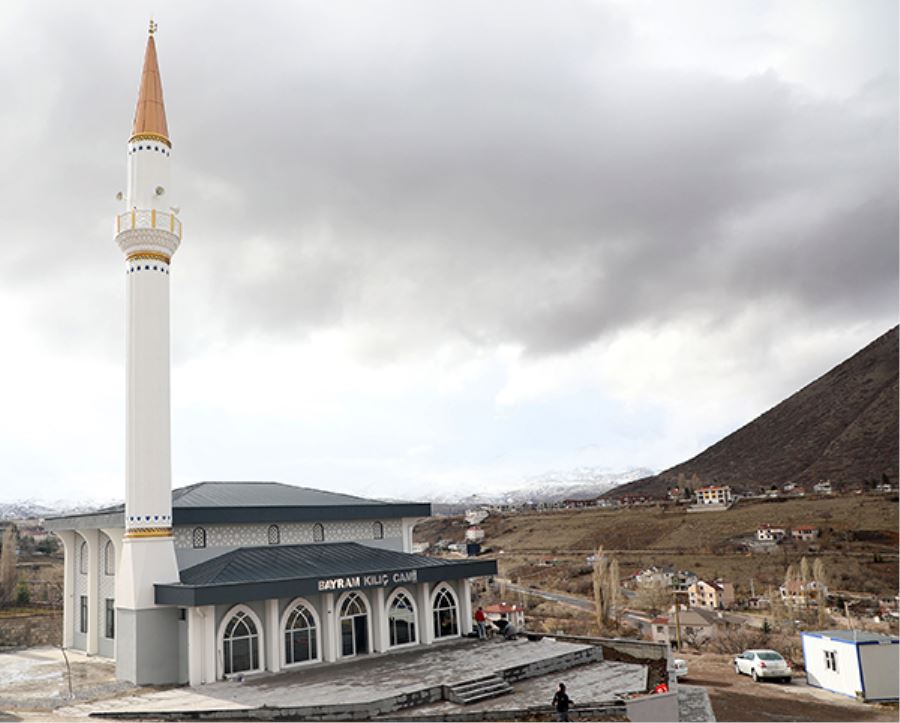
x,y
737,698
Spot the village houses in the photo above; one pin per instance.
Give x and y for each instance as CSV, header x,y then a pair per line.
x,y
767,533
799,594
714,495
805,533
714,595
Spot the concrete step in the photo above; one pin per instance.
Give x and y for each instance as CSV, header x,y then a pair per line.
x,y
476,689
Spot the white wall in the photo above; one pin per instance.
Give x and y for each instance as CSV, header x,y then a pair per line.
x,y
845,679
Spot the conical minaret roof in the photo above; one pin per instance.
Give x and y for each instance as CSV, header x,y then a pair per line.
x,y
150,114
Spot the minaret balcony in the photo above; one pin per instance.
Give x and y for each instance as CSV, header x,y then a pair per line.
x,y
148,231
141,218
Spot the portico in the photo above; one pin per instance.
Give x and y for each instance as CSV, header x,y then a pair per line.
x,y
275,608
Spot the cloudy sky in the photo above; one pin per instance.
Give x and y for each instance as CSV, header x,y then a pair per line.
x,y
437,246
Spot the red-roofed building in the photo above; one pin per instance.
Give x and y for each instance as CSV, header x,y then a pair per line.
x,y
805,533
514,613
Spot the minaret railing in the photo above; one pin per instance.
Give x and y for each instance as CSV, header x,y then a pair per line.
x,y
148,218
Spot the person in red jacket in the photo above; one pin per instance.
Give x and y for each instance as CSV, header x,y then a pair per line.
x,y
480,619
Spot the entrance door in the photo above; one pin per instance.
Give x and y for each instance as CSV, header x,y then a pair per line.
x,y
361,634
354,627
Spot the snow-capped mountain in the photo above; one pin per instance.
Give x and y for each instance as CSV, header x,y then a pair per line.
x,y
31,508
578,483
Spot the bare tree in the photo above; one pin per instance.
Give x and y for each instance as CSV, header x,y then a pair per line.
x,y
654,596
820,575
805,576
614,591
606,589
8,578
601,587
776,605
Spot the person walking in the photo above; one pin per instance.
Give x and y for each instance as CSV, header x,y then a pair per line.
x,y
480,619
561,701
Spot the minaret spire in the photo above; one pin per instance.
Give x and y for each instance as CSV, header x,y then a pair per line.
x,y
150,113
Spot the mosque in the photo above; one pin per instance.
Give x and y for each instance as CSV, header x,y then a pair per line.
x,y
219,579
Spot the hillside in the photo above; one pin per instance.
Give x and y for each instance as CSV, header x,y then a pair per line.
x,y
842,427
858,542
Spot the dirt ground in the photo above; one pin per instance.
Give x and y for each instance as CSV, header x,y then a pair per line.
x,y
737,698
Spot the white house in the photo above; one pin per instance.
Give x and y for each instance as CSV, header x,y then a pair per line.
x,y
853,663
797,593
714,495
767,533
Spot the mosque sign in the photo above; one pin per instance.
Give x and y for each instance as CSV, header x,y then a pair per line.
x,y
354,582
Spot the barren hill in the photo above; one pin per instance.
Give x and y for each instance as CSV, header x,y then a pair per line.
x,y
842,427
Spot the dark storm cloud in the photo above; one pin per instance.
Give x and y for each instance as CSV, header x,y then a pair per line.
x,y
495,175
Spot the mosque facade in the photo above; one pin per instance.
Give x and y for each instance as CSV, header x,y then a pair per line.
x,y
220,579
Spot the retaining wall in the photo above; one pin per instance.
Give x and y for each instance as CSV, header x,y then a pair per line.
x,y
29,630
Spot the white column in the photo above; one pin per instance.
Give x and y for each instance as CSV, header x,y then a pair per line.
x,y
465,606
195,621
273,637
115,534
210,644
423,603
381,640
70,551
329,628
93,591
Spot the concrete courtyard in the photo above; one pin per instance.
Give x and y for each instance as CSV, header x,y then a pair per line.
x,y
361,680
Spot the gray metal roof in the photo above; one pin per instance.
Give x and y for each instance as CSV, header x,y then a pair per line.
x,y
259,494
271,571
853,636
230,502
327,559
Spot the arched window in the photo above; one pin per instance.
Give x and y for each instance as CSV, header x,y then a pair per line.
x,y
354,620
402,620
109,558
446,618
83,557
274,535
318,532
240,644
378,531
300,639
198,537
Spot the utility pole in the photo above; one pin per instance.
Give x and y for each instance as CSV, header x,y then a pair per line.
x,y
677,622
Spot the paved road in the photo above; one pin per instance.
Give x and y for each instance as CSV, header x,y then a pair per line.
x,y
578,602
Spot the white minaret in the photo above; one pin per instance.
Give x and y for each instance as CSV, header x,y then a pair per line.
x,y
149,233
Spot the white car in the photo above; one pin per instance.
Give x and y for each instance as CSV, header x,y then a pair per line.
x,y
759,664
679,668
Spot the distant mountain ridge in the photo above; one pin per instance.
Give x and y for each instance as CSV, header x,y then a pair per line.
x,y
33,509
842,427
577,483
